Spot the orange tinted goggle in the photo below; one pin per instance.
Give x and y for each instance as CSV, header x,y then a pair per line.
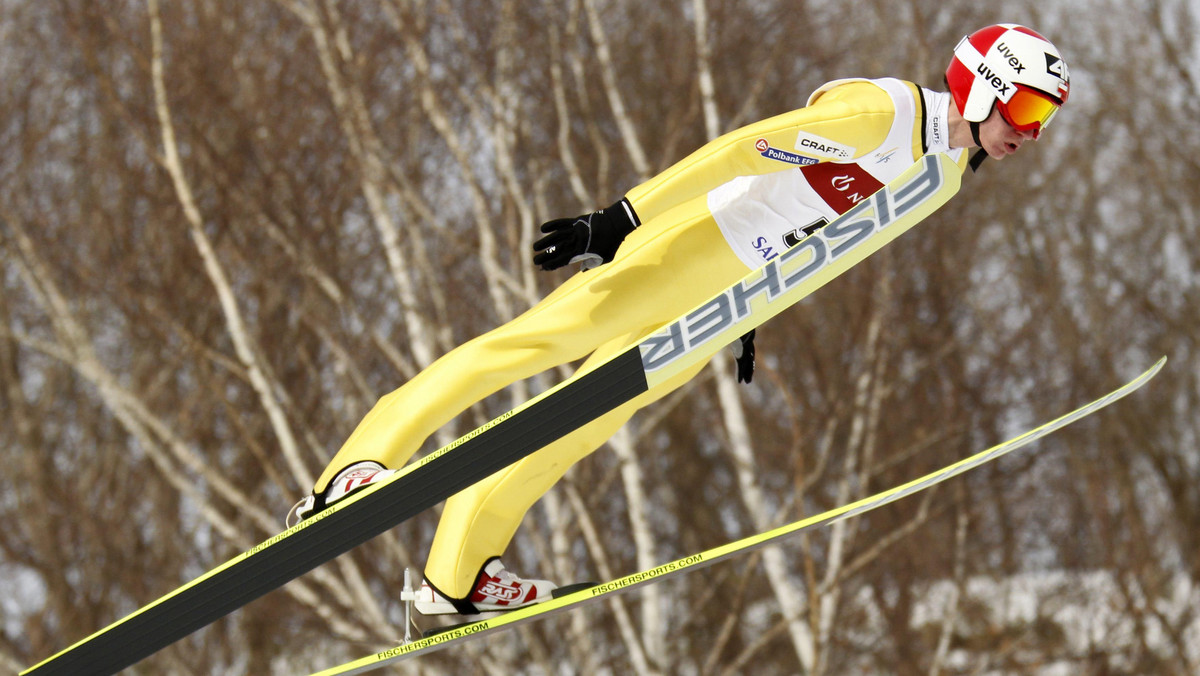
x,y
1029,109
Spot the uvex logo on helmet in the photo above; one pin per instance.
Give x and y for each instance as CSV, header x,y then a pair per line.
x,y
1000,66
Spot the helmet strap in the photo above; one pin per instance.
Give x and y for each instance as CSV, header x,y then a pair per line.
x,y
977,159
981,154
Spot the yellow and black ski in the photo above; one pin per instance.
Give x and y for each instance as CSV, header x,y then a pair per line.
x,y
692,338
575,597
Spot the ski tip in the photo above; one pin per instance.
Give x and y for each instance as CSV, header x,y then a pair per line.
x,y
1153,370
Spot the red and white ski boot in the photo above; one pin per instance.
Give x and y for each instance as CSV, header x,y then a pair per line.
x,y
496,589
349,480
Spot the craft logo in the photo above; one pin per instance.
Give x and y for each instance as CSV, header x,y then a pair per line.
x,y
823,147
764,148
790,269
936,138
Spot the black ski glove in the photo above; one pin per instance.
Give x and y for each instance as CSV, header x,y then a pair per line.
x,y
590,239
743,352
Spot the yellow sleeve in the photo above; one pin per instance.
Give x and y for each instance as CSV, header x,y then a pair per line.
x,y
856,115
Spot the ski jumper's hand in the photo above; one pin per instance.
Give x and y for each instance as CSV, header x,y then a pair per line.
x,y
743,352
590,239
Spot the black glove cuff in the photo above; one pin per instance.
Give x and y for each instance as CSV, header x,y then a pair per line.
x,y
743,352
625,218
609,227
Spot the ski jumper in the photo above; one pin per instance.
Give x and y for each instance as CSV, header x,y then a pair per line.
x,y
708,220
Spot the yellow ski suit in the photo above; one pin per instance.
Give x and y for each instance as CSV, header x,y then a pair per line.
x,y
706,221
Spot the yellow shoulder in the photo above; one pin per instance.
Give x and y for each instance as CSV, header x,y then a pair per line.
x,y
857,94
856,113
873,106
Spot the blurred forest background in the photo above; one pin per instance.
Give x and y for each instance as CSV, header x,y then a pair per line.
x,y
228,226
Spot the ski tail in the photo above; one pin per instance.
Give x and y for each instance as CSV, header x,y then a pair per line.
x,y
458,634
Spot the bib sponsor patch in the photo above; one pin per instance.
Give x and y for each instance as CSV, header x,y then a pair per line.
x,y
841,185
771,153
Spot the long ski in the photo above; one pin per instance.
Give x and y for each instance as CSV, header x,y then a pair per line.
x,y
760,295
462,633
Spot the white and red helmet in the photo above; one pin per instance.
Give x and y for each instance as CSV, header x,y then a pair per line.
x,y
1013,68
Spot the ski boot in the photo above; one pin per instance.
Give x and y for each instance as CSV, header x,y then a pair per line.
x,y
496,589
349,480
